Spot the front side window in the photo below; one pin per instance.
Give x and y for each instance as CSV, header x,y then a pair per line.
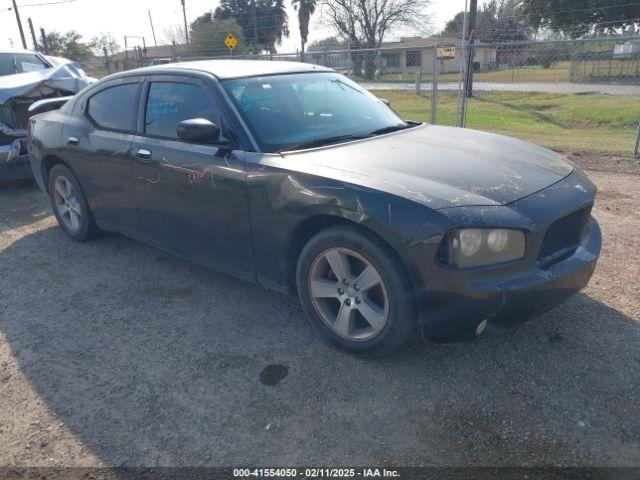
x,y
290,110
170,103
114,108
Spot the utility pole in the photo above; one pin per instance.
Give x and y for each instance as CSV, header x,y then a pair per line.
x,y
45,44
33,35
15,9
462,82
152,30
184,15
470,35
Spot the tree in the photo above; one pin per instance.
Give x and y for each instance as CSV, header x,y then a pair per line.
x,y
575,18
305,9
175,34
328,43
364,23
498,21
263,22
454,26
68,45
208,38
105,42
501,21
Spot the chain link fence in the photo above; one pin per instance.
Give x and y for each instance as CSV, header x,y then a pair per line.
x,y
580,97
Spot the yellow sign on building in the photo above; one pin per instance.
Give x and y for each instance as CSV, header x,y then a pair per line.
x,y
446,52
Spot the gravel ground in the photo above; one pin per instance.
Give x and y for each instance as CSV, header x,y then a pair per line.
x,y
113,353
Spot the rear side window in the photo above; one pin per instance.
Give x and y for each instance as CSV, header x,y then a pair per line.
x,y
114,108
170,103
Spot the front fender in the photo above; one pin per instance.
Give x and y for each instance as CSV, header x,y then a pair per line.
x,y
287,205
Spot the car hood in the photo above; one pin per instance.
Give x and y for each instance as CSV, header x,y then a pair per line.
x,y
443,166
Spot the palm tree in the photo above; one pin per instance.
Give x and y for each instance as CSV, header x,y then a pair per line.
x,y
305,9
272,23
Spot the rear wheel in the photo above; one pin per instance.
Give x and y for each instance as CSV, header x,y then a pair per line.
x,y
69,204
356,291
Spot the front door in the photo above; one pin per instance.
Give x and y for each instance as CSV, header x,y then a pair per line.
x,y
191,197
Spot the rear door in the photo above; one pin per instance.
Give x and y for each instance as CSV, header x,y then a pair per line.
x,y
191,197
97,143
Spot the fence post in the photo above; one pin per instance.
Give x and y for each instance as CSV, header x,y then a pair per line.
x,y
636,152
462,101
434,85
418,80
173,51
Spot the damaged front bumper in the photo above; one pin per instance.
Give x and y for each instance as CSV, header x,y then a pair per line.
x,y
489,306
14,158
462,304
14,161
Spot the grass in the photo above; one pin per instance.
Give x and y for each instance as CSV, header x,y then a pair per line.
x,y
574,124
556,73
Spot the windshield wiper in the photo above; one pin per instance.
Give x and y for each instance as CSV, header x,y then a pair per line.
x,y
320,142
389,129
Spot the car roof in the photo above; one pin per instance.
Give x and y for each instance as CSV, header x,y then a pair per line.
x,y
224,69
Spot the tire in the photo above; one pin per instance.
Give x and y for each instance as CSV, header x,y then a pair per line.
x,y
371,319
69,204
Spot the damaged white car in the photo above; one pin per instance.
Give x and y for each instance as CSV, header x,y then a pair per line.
x,y
26,78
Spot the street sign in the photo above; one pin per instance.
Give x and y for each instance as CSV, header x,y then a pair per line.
x,y
230,42
446,52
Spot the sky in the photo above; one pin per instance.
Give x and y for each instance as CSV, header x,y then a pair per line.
x,y
130,17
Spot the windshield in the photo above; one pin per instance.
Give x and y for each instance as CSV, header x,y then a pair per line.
x,y
12,63
309,109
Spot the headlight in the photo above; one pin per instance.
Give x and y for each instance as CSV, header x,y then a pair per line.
x,y
475,247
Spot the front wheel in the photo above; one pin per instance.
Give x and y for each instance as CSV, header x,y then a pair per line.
x,y
356,291
69,205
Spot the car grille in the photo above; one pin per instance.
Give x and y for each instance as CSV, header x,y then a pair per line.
x,y
564,234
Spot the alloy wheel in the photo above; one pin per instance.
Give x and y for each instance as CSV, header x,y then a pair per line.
x,y
67,204
348,294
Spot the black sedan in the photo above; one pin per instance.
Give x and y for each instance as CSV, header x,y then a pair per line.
x,y
294,177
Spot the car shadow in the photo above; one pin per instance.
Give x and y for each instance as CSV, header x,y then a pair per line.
x,y
150,360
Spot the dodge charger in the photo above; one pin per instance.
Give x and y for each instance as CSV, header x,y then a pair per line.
x,y
294,177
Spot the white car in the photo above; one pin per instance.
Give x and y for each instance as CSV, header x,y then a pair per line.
x,y
25,78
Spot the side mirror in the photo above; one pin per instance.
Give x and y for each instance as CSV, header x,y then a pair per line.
x,y
198,130
385,101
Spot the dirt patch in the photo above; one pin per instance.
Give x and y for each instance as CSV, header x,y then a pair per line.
x,y
604,163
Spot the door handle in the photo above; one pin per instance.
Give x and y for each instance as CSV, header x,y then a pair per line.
x,y
144,154
73,141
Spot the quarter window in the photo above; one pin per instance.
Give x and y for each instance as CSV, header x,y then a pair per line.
x,y
115,107
170,103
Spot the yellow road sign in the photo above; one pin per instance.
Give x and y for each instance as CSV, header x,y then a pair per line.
x,y
230,42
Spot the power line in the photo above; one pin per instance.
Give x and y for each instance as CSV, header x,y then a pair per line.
x,y
46,3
